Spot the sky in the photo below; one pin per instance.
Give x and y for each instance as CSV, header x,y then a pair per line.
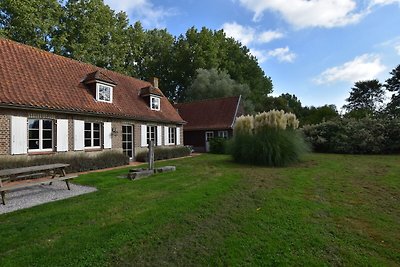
x,y
315,49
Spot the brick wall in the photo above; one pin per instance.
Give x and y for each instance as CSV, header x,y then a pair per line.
x,y
5,134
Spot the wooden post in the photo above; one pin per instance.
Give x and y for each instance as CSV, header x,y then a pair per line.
x,y
151,155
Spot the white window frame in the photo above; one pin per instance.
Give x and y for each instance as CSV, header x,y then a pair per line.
x,y
223,134
171,131
157,100
126,142
149,132
98,85
91,135
41,149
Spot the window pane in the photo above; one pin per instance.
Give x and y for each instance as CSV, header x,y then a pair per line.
x,y
33,144
34,134
96,134
104,93
47,144
129,137
88,143
96,126
47,134
88,126
47,124
124,146
33,124
88,134
96,142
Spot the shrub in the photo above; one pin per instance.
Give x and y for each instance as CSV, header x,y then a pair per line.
x,y
273,139
164,153
78,163
355,136
217,145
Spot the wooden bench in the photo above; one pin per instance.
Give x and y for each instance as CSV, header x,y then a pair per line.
x,y
31,176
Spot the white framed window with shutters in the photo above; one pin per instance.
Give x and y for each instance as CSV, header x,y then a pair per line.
x,y
92,136
40,135
172,135
151,134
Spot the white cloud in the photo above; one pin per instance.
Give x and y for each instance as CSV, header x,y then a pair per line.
x,y
268,36
397,48
393,43
364,67
282,54
384,2
261,55
247,35
309,13
143,10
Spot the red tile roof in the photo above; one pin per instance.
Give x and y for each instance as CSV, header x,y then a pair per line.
x,y
30,77
210,114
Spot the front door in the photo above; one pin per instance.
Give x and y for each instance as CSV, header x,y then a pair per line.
x,y
127,140
209,136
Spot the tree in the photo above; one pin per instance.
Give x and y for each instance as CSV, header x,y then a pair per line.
x,y
315,115
215,84
365,99
393,85
32,22
207,49
91,32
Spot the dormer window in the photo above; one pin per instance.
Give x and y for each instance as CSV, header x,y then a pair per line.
x,y
154,103
100,85
104,93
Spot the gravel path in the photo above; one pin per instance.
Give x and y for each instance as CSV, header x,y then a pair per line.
x,y
36,195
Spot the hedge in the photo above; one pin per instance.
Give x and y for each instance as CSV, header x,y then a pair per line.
x,y
355,136
164,153
78,163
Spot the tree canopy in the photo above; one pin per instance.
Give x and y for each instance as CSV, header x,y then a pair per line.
x,y
393,85
366,98
92,32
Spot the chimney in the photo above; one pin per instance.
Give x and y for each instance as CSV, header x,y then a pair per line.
x,y
154,82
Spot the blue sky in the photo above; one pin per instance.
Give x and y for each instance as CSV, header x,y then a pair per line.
x,y
315,49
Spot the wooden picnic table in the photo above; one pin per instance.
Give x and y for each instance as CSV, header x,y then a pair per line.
x,y
17,178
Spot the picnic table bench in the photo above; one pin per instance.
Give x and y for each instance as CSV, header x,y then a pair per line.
x,y
17,178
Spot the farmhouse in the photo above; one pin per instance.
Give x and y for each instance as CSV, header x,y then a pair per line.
x,y
50,104
209,118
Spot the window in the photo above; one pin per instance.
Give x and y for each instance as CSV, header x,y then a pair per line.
x,y
40,135
171,135
152,134
92,135
209,136
103,93
127,140
223,134
154,103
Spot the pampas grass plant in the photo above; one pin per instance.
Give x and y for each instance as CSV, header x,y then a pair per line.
x,y
268,138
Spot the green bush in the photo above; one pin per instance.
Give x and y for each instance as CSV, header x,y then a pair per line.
x,y
269,147
164,153
355,136
217,145
78,163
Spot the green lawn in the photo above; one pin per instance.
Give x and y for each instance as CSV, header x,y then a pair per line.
x,y
326,210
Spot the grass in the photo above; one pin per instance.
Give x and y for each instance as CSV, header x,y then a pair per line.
x,y
326,210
